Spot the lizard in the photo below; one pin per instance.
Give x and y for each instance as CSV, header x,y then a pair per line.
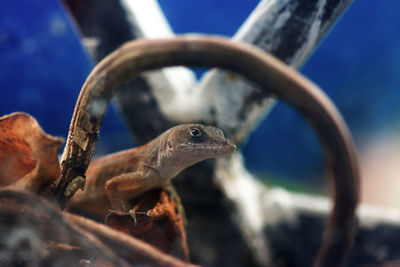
x,y
114,179
274,78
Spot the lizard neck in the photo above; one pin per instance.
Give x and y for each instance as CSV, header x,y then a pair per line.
x,y
169,162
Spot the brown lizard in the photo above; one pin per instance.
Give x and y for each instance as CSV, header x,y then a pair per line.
x,y
273,77
116,178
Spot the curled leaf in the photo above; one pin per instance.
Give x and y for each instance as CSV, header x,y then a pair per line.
x,y
28,156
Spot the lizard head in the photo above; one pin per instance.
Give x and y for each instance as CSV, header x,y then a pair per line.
x,y
199,142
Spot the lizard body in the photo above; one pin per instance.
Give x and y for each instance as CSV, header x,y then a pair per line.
x,y
116,178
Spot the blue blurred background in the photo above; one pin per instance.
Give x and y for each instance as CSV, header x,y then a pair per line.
x,y
43,65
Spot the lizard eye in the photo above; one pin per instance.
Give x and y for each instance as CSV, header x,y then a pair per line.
x,y
195,132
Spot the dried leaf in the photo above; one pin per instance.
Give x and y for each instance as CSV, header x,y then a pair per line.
x,y
28,156
157,219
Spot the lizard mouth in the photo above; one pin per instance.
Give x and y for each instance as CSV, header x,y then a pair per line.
x,y
226,149
211,151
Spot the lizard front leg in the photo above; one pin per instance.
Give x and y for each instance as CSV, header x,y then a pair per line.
x,y
127,186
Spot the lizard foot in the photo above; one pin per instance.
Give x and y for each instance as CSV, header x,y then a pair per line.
x,y
133,215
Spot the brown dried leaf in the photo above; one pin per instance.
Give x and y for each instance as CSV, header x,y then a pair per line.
x,y
28,156
157,220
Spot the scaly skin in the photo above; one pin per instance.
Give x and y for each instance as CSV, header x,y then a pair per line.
x,y
118,177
